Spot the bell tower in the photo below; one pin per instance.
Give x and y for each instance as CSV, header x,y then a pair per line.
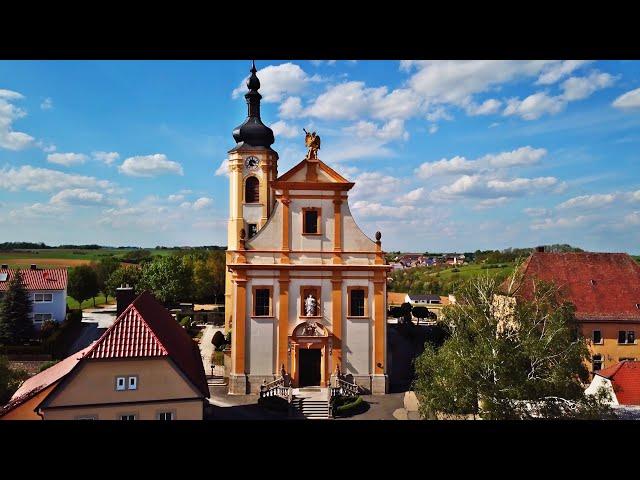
x,y
253,165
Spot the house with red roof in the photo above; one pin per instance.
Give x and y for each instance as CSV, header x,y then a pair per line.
x,y
47,288
622,381
605,290
144,367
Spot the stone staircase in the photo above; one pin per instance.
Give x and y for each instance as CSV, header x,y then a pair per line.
x,y
215,380
312,405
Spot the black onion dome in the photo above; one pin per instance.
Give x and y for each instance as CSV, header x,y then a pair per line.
x,y
253,132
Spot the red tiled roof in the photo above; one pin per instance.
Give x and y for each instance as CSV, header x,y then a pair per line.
x,y
44,379
45,279
147,329
625,377
602,286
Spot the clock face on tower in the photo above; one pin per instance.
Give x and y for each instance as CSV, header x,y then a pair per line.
x,y
252,162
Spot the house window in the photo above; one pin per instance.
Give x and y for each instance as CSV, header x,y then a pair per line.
x,y
41,317
626,337
596,360
252,190
261,302
311,221
357,302
165,416
253,229
127,417
42,297
120,383
597,336
133,383
87,417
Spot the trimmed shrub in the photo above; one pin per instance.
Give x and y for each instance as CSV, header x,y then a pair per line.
x,y
347,406
218,340
217,358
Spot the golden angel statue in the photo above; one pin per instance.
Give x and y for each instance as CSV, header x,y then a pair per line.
x,y
312,141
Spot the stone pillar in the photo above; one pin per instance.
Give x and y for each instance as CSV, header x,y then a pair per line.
x,y
238,377
283,320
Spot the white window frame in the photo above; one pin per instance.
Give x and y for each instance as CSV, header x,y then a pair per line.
x,y
135,382
593,337
35,315
593,362
124,384
87,417
42,299
160,414
135,417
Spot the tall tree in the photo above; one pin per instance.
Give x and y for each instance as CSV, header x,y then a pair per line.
x,y
507,358
123,275
169,278
10,380
16,324
104,268
208,277
83,284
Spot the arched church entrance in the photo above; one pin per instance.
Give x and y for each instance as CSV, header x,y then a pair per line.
x,y
311,348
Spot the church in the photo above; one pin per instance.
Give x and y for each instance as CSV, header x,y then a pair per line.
x,y
305,287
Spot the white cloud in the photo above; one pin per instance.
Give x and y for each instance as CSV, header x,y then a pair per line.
x,y
534,106
490,203
291,108
455,81
599,200
175,198
518,186
66,159
10,139
453,166
392,130
438,113
536,212
487,107
521,156
223,169
107,157
367,209
375,184
39,211
47,180
353,100
282,128
433,129
413,196
479,186
628,100
276,81
84,197
352,151
47,104
556,71
202,203
558,223
578,88
150,166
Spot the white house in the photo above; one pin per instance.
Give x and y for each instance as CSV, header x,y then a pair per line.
x,y
47,288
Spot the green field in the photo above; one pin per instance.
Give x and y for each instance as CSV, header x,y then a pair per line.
x,y
100,300
473,270
59,257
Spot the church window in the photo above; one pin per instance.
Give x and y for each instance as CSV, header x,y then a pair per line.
x,y
311,221
357,302
252,190
261,302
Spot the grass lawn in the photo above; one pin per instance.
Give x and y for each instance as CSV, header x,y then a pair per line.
x,y
100,300
474,270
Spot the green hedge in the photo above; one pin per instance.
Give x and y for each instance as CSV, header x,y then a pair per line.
x,y
347,406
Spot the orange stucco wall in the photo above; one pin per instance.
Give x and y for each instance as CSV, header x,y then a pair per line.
x,y
26,410
612,352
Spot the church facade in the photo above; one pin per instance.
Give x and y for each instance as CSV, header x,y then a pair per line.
x,y
305,287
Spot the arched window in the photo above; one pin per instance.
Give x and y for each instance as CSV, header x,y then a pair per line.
x,y
252,190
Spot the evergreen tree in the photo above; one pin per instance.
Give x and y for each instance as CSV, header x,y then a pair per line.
x,y
16,324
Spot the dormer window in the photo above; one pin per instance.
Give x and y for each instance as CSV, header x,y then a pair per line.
x,y
252,190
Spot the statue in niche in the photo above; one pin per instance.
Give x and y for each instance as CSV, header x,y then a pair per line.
x,y
311,306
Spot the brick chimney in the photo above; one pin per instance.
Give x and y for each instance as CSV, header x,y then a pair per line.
x,y
4,266
540,248
34,266
124,296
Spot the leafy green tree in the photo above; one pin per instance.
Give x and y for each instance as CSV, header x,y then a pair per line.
x,y
123,275
506,359
10,380
104,269
83,284
169,278
16,324
208,277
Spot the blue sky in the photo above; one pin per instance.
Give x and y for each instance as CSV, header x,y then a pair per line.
x,y
446,155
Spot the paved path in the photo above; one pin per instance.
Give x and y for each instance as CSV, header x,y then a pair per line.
x,y
207,348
